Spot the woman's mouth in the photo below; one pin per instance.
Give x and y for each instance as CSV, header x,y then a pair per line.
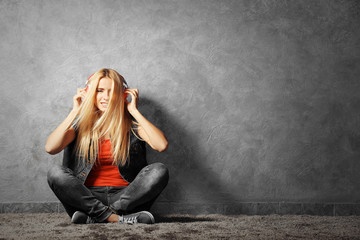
x,y
104,104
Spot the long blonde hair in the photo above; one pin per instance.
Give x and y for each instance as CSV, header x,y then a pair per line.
x,y
93,125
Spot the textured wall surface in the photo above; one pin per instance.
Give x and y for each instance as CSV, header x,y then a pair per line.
x,y
259,99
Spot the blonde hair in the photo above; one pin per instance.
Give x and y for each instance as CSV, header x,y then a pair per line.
x,y
93,124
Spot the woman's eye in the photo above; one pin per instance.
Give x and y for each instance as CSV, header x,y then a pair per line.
x,y
99,90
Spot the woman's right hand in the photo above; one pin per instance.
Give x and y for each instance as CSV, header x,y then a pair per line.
x,y
77,99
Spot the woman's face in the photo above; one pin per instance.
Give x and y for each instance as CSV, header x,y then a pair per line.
x,y
103,92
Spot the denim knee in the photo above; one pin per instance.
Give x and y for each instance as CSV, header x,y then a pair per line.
x,y
158,173
57,175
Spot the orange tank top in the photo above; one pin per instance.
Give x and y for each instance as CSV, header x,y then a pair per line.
x,y
104,173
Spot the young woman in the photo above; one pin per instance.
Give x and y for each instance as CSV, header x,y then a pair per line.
x,y
104,176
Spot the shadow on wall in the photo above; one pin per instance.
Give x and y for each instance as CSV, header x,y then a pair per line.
x,y
194,187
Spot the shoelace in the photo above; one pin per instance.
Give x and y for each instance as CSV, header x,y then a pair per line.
x,y
129,220
90,220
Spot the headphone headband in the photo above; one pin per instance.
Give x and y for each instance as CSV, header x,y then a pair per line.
x,y
125,85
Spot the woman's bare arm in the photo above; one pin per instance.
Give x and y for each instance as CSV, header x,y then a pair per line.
x,y
62,136
65,133
147,131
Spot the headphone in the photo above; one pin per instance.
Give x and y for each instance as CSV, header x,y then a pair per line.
x,y
87,85
125,85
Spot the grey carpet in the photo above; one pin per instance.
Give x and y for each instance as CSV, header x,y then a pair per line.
x,y
57,226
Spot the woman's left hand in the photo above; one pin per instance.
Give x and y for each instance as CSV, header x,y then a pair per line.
x,y
146,130
134,93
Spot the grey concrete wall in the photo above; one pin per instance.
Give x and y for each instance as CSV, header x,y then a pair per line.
x,y
259,99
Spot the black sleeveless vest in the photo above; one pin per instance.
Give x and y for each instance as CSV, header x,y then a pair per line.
x,y
129,171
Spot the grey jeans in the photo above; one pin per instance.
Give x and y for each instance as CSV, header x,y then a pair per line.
x,y
100,202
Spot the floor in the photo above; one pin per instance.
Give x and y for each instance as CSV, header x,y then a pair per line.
x,y
58,226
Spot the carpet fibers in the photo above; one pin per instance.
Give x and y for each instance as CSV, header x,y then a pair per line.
x,y
58,226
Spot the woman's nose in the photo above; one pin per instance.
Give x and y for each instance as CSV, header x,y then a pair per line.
x,y
106,95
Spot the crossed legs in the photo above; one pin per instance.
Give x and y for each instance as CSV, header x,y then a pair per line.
x,y
138,195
